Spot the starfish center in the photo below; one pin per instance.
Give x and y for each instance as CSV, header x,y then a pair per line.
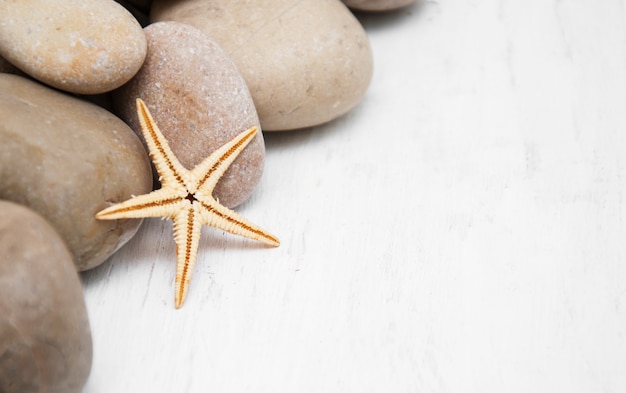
x,y
190,197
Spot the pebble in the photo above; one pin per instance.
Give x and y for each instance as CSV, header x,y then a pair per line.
x,y
377,5
199,101
80,46
305,62
67,159
45,339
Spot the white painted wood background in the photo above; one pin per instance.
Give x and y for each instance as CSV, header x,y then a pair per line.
x,y
462,230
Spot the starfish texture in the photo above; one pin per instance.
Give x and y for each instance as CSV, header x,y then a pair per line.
x,y
186,197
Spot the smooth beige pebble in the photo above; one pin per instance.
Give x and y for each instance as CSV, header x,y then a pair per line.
x,y
306,62
67,159
80,46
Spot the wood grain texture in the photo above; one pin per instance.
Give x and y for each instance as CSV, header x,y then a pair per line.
x,y
462,230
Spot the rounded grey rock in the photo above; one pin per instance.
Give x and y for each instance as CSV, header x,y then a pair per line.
x,y
45,339
67,159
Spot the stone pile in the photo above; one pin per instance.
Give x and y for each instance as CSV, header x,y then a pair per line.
x,y
70,146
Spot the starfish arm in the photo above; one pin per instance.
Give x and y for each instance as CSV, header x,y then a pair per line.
x,y
159,203
221,217
209,171
187,229
167,165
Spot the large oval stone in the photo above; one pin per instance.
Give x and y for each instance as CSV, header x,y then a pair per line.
x,y
80,46
306,62
199,101
45,340
67,159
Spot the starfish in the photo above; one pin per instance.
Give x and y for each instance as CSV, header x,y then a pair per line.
x,y
186,198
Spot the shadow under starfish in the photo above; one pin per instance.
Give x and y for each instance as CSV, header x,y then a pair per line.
x,y
186,197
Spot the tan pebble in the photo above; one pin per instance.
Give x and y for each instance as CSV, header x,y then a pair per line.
x,y
305,62
80,46
377,5
199,100
67,159
45,339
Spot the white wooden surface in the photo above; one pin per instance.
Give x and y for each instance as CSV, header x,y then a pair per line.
x,y
462,230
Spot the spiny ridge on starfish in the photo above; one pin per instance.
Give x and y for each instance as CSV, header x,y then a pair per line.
x,y
186,197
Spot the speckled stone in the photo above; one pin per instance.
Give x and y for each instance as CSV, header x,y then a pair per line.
x,y
45,339
67,159
377,5
199,100
306,62
80,46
